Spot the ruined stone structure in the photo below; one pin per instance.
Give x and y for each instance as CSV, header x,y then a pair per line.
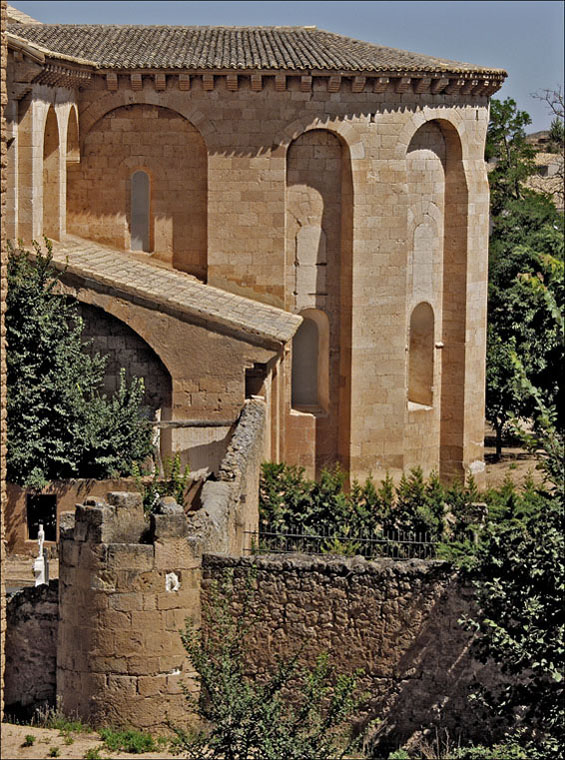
x,y
269,178
31,649
106,642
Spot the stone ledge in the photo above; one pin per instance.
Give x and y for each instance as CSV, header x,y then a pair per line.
x,y
330,565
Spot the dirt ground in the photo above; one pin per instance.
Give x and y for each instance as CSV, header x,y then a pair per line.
x,y
46,739
515,462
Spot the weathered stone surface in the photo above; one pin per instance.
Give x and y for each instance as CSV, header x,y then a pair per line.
x,y
31,649
169,524
394,620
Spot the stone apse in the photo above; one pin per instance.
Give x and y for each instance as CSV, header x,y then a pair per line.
x,y
352,195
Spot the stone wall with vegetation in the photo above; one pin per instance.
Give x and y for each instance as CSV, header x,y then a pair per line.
x,y
128,580
229,510
124,348
395,620
3,283
31,649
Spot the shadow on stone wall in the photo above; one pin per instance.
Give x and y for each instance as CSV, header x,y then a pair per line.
x,y
31,650
395,620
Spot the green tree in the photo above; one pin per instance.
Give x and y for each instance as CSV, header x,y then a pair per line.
x,y
525,280
60,425
508,150
518,575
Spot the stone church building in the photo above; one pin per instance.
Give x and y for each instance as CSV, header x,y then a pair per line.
x,y
281,212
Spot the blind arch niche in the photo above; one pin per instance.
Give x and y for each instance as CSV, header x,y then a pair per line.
x,y
421,355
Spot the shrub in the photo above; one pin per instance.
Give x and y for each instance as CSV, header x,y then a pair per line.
x,y
28,741
246,718
93,753
288,501
518,574
136,742
172,482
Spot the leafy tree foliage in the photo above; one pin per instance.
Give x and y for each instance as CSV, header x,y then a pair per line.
x,y
245,718
518,576
518,573
507,149
60,425
525,282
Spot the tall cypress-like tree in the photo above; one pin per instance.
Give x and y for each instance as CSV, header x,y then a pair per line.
x,y
60,425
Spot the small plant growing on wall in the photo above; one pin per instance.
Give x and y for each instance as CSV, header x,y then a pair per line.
x,y
246,718
60,424
173,481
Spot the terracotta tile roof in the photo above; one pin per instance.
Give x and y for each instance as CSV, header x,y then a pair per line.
x,y
15,16
240,48
173,289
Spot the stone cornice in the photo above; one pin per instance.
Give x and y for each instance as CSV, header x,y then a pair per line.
x,y
421,83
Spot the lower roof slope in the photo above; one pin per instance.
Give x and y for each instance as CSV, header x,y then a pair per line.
x,y
175,290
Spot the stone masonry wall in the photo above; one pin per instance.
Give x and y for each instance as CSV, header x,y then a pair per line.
x,y
3,285
126,587
167,147
31,649
250,134
129,581
230,505
396,620
124,348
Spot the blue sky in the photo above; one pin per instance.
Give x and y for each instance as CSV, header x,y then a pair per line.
x,y
525,38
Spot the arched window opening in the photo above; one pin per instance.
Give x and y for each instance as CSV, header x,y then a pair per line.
x,y
310,362
140,212
421,355
51,177
73,148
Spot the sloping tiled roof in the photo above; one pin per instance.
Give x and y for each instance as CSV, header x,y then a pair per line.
x,y
173,289
241,48
15,16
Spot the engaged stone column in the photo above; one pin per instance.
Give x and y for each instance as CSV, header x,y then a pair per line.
x,y
127,584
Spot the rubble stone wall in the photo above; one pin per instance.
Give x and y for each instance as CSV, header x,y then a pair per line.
x,y
31,649
395,620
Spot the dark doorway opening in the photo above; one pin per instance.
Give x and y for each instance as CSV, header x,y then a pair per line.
x,y
42,508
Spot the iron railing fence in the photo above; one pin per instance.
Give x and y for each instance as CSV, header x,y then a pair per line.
x,y
392,544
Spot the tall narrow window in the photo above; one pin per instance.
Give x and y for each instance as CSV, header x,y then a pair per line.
x,y
140,203
310,362
305,365
421,355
